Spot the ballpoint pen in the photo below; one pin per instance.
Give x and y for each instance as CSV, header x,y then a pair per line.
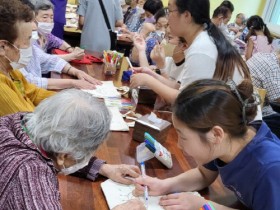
x,y
146,195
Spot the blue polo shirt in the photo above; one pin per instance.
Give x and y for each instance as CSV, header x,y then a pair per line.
x,y
254,175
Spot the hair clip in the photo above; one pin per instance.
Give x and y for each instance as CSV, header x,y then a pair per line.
x,y
245,103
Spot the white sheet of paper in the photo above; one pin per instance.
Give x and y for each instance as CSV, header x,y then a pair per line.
x,y
117,194
106,90
117,123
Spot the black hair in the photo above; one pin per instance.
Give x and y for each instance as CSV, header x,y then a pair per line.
x,y
228,57
224,108
220,10
159,14
229,5
153,6
255,23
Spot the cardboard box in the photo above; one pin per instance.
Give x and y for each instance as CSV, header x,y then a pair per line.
x,y
158,130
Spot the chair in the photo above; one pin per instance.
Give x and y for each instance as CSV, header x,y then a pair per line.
x,y
262,93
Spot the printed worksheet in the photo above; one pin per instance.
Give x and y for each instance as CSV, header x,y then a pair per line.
x,y
106,90
117,194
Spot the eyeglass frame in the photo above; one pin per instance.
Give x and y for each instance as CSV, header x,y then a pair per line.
x,y
168,11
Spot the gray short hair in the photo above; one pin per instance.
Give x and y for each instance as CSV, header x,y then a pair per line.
x,y
72,122
42,5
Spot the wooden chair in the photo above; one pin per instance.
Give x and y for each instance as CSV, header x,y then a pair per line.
x,y
262,93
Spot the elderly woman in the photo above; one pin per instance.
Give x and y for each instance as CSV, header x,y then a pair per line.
x,y
44,20
43,63
59,137
15,31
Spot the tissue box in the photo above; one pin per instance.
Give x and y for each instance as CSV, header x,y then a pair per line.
x,y
143,95
158,130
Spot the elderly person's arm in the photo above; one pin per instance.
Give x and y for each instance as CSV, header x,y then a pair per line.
x,y
114,172
35,94
35,187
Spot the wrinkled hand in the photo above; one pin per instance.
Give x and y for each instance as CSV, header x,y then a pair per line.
x,y
118,172
84,76
77,53
139,42
140,79
158,55
134,204
185,200
82,84
155,186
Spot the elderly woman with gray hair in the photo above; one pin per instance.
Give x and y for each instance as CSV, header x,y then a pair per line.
x,y
60,136
44,18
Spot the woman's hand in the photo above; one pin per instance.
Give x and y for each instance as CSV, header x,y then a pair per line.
x,y
155,186
134,204
158,56
145,70
118,172
139,43
81,75
82,84
140,79
77,53
184,200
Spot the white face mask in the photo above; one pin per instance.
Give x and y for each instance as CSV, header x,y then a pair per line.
x,y
222,26
74,168
45,28
24,58
34,36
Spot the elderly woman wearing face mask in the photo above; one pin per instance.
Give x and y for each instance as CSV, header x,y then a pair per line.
x,y
15,52
44,15
43,63
60,136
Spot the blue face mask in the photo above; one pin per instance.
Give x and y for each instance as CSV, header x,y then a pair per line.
x,y
150,20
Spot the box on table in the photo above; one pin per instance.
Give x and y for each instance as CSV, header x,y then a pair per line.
x,y
158,130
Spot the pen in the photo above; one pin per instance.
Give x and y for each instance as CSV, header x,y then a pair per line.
x,y
129,63
146,195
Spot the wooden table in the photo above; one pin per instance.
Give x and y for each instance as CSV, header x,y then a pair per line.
x,y
77,193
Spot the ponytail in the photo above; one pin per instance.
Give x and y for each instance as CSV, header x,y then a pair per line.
x,y
254,23
228,57
267,34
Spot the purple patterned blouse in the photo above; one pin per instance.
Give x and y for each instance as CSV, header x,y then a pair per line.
x,y
28,178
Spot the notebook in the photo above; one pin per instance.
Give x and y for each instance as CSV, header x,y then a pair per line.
x,y
117,194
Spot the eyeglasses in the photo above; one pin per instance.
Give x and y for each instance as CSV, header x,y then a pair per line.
x,y
168,11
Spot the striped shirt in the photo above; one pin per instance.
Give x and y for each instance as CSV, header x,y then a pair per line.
x,y
265,73
42,63
27,177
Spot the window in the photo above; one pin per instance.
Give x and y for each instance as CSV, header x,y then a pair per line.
x,y
271,12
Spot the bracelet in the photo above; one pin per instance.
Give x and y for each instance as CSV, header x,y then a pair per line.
x,y
68,70
68,48
207,206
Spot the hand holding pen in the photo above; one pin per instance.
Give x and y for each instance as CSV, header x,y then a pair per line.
x,y
155,186
146,194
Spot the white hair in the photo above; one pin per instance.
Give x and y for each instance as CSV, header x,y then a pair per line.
x,y
42,5
71,122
